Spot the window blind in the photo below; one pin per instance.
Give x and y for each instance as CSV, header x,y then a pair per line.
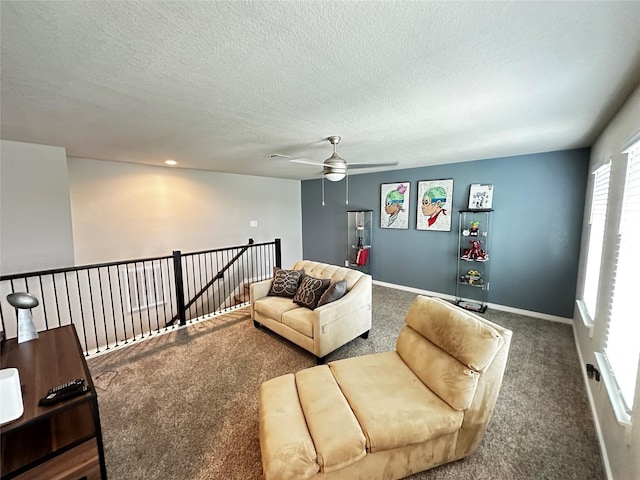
x,y
596,237
144,287
622,344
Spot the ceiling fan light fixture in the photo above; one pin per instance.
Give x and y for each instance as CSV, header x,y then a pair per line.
x,y
335,167
334,176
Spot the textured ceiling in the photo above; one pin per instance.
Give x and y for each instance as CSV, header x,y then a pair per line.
x,y
222,85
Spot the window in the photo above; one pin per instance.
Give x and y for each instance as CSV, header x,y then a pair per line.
x,y
596,238
622,347
144,287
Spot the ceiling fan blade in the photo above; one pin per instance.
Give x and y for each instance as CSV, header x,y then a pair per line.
x,y
371,165
306,162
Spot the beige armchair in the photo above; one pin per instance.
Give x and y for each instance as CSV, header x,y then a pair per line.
x,y
388,415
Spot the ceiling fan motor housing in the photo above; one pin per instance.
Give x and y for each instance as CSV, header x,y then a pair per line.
x,y
335,168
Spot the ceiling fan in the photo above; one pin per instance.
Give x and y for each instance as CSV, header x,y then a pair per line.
x,y
335,167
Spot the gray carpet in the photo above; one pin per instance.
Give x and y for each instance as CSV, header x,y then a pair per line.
x,y
184,405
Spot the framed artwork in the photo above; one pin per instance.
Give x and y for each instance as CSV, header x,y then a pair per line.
x,y
394,205
480,196
435,198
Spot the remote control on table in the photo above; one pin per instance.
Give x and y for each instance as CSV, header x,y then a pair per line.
x,y
64,391
72,385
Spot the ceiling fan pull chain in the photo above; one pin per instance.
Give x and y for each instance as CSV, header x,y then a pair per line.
x,y
323,191
347,199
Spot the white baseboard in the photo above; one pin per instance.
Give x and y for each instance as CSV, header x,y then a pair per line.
x,y
414,290
503,308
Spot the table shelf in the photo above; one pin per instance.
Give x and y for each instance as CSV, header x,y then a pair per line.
x,y
42,434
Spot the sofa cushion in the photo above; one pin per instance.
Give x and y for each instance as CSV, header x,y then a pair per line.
x,y
285,283
274,307
335,292
446,327
335,431
452,381
394,408
300,319
310,291
287,448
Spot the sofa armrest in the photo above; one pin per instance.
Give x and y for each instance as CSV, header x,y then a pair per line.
x,y
339,322
359,293
258,290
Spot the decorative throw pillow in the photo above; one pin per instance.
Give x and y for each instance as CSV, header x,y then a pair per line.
x,y
310,291
335,292
285,283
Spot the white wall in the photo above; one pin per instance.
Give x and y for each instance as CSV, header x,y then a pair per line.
x,y
124,211
35,213
623,455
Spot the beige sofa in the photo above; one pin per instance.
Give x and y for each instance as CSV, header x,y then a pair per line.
x,y
388,415
326,328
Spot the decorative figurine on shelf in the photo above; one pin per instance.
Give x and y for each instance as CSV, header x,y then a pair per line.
x,y
475,226
465,253
474,277
474,253
23,302
361,257
482,256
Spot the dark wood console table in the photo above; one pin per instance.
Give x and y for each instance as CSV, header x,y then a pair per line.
x,y
62,441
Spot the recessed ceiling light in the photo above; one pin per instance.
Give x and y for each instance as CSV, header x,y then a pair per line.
x,y
170,162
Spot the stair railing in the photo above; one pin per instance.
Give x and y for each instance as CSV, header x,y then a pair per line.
x,y
207,287
118,303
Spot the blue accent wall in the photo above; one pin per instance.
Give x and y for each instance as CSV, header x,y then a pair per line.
x,y
535,244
